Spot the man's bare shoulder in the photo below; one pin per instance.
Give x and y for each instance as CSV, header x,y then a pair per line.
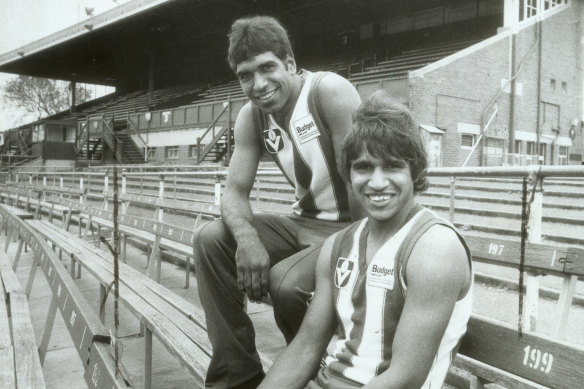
x,y
245,114
439,254
332,84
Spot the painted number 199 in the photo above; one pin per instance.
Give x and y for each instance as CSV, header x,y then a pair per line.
x,y
536,360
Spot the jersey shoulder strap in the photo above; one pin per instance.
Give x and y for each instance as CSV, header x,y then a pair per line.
x,y
314,103
426,220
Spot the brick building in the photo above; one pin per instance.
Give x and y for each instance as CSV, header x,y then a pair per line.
x,y
512,98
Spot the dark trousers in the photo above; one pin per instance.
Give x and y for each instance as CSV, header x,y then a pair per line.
x,y
293,244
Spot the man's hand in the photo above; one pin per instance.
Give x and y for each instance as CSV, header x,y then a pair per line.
x,y
253,270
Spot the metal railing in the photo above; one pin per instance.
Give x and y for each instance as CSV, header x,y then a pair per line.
x,y
202,152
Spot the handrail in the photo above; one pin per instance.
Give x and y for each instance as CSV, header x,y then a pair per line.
x,y
130,126
111,139
205,151
83,139
99,174
492,171
209,147
507,171
212,125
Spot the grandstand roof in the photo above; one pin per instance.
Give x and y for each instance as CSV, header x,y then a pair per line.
x,y
182,38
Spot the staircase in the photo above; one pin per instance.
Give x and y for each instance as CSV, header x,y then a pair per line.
x,y
131,153
92,150
214,152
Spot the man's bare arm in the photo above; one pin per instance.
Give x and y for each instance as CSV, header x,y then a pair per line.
x,y
251,256
299,362
338,100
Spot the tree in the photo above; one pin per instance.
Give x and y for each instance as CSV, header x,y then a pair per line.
x,y
41,97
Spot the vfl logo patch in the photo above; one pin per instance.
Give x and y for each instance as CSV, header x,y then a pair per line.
x,y
273,140
343,272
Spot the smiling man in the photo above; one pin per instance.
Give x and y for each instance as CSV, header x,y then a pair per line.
x,y
300,119
397,284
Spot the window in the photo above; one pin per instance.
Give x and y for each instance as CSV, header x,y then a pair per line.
x,y
467,140
530,148
69,134
192,151
563,155
529,8
151,154
517,148
542,152
172,152
494,146
564,87
553,84
38,133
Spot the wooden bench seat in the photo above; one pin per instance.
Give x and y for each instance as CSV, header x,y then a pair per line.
x,y
91,339
27,199
164,236
20,365
491,351
183,337
495,352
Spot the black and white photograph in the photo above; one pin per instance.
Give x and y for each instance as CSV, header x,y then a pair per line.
x,y
292,194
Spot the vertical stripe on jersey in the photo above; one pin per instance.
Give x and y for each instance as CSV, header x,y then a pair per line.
x,y
338,183
343,303
306,202
310,165
359,297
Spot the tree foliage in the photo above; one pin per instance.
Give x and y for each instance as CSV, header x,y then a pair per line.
x,y
41,97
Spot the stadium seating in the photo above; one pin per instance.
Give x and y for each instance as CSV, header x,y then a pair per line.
x,y
91,339
21,366
491,350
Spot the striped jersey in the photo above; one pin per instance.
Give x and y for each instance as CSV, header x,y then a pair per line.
x,y
306,156
369,300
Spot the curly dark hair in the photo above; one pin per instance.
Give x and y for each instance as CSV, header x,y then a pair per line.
x,y
253,35
387,131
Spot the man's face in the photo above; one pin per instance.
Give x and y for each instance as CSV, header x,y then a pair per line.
x,y
267,81
384,189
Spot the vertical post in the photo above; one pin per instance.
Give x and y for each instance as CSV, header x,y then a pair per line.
x,y
174,188
161,196
44,188
105,190
564,304
533,236
217,189
148,359
452,194
124,203
81,187
61,186
46,335
198,150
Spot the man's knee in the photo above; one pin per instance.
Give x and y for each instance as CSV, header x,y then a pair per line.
x,y
289,287
278,285
207,239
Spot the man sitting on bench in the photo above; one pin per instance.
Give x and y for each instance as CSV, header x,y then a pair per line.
x,y
397,284
299,118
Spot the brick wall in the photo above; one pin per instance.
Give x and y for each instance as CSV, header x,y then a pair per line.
x,y
467,89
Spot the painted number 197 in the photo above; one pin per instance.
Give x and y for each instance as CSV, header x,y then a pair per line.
x,y
496,249
535,359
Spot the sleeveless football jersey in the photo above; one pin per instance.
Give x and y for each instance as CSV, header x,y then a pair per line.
x,y
306,156
369,300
